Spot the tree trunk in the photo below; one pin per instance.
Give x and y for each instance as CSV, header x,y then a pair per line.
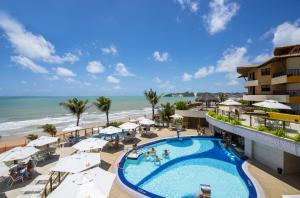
x,y
77,124
107,120
152,112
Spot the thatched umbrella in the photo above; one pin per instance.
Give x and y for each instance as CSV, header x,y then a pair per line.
x,y
207,98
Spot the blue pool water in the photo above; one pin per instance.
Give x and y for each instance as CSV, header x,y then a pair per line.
x,y
192,161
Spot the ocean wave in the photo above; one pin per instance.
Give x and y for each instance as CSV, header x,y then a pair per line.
x,y
25,126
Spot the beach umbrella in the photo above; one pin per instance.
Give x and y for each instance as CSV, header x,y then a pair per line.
x,y
176,116
230,102
4,170
128,126
18,153
133,120
147,122
111,130
42,141
90,144
93,183
272,104
77,162
72,128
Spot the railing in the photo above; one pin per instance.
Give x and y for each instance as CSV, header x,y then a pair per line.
x,y
288,92
289,72
55,177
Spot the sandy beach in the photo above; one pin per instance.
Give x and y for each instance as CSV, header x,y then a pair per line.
x,y
8,142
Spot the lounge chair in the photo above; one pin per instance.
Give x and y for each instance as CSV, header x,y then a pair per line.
x,y
11,180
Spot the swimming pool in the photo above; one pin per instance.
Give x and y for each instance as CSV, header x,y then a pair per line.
x,y
192,161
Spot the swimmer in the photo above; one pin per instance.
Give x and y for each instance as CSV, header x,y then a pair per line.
x,y
153,151
156,159
166,153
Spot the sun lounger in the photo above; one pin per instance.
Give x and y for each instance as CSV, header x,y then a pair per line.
x,y
32,191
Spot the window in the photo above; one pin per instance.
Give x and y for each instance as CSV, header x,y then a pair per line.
x,y
265,88
265,71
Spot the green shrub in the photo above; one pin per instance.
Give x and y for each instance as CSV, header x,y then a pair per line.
x,y
181,105
235,122
280,132
115,123
297,138
212,114
262,128
225,119
219,117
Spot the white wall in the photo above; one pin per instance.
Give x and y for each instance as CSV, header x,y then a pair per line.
x,y
271,157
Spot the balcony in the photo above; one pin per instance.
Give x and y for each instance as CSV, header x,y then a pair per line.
x,y
258,98
290,76
283,144
251,83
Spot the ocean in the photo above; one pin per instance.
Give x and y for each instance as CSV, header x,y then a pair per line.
x,y
21,115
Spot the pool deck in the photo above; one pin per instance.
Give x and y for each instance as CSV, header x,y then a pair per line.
x,y
274,185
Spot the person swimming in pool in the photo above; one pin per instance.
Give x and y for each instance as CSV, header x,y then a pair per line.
x,y
148,155
153,151
166,153
156,159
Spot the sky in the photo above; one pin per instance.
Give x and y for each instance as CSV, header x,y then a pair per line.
x,y
117,47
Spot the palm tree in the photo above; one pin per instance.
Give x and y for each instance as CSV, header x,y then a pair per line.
x,y
31,137
103,104
167,111
50,129
76,107
153,99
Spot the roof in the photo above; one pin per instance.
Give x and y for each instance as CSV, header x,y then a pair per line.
x,y
207,97
284,49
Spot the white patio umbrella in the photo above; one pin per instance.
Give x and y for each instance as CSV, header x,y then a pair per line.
x,y
147,122
18,153
90,144
72,128
4,170
176,116
133,120
230,102
42,141
272,104
129,126
93,183
111,130
77,162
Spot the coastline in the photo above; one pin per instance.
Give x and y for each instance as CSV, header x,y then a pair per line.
x,y
20,139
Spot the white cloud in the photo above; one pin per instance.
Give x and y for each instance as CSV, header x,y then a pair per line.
x,y
161,57
262,57
110,50
220,14
249,41
121,70
204,71
112,79
232,57
23,82
29,64
31,45
95,67
192,6
157,80
87,84
186,77
286,34
64,72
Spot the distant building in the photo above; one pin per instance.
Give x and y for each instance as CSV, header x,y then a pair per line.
x,y
276,79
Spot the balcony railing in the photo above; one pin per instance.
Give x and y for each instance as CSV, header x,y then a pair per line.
x,y
289,72
288,92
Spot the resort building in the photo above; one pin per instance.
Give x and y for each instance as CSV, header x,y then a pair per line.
x,y
275,79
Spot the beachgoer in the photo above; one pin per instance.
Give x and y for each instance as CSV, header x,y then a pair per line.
x,y
156,159
30,167
153,151
166,153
